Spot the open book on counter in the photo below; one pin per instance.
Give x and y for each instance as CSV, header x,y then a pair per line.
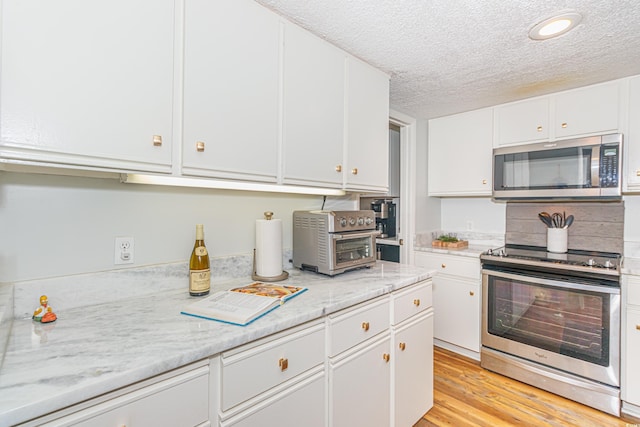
x,y
243,305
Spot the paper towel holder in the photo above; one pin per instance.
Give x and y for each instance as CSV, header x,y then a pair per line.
x,y
254,275
284,275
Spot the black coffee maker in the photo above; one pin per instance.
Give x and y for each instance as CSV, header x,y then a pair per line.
x,y
385,211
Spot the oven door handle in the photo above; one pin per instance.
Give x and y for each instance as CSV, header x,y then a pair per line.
x,y
542,281
355,235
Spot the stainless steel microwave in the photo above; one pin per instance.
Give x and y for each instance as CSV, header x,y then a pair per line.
x,y
584,168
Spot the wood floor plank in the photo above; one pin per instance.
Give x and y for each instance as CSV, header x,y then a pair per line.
x,y
465,394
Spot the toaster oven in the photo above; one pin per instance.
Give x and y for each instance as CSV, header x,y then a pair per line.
x,y
332,242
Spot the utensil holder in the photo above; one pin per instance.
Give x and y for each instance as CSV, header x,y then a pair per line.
x,y
557,240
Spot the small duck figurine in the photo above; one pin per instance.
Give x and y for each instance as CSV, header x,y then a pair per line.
x,y
44,313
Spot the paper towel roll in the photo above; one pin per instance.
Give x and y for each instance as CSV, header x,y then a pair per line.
x,y
268,247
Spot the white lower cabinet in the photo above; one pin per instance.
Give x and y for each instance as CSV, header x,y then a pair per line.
x,y
630,381
412,355
278,380
456,301
360,384
385,378
171,400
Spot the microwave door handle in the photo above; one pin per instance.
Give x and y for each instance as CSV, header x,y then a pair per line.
x,y
595,166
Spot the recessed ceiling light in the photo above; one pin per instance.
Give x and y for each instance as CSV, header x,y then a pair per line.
x,y
555,26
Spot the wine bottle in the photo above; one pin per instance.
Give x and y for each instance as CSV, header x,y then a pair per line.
x,y
199,271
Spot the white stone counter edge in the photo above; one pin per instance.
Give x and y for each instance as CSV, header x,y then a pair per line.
x,y
100,347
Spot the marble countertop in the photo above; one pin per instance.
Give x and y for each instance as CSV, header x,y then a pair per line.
x,y
101,346
471,251
631,266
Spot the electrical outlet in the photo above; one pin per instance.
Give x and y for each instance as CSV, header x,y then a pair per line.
x,y
123,250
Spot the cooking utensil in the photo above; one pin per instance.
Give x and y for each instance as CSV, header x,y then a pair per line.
x,y
557,220
546,219
568,222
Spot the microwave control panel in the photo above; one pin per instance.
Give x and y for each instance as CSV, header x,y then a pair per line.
x,y
609,166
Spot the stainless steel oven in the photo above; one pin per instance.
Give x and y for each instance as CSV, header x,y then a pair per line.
x,y
332,242
553,321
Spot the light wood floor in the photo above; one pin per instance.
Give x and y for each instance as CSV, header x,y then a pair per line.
x,y
467,395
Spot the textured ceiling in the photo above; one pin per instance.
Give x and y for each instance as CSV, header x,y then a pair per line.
x,y
449,56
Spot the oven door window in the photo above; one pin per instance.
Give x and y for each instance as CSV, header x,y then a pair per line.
x,y
570,322
354,250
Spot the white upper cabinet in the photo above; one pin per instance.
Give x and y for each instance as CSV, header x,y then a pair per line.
x,y
631,143
367,145
231,90
313,122
522,121
590,110
460,154
88,83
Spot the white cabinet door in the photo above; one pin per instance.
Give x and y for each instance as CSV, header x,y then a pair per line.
x,y
631,380
413,370
313,128
367,146
231,90
631,148
457,312
523,121
588,110
460,154
88,84
360,384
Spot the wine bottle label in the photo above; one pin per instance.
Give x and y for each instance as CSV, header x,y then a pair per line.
x,y
199,280
201,251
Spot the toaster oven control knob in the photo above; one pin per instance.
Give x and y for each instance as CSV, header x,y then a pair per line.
x,y
361,221
343,222
352,221
368,221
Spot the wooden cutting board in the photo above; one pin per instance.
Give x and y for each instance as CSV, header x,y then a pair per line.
x,y
450,245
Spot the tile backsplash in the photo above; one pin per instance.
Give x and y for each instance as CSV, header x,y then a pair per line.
x,y
598,226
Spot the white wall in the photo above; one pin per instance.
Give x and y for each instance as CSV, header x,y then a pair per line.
x,y
473,214
428,209
54,225
632,218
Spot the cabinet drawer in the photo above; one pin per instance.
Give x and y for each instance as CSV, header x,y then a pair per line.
x,y
454,265
409,302
251,370
181,401
350,327
633,290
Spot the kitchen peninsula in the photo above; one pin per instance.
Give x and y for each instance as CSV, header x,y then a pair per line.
x,y
125,327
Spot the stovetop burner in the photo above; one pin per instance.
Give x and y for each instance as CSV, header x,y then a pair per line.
x,y
604,262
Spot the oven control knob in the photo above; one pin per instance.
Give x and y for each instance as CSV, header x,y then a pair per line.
x,y
352,221
368,221
502,252
343,222
591,262
609,264
490,252
360,221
